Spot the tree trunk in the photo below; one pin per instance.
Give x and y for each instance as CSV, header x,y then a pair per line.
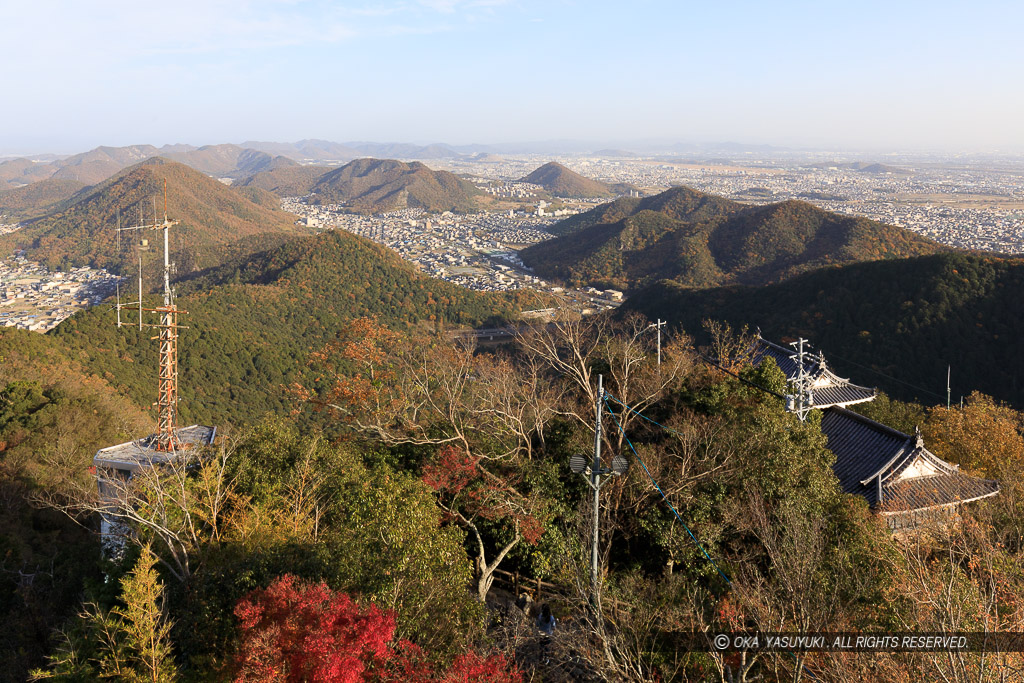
x,y
485,570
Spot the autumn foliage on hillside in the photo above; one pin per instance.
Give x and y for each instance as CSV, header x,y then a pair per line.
x,y
212,216
293,631
699,240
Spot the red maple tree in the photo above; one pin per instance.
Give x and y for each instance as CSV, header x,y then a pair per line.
x,y
294,631
468,491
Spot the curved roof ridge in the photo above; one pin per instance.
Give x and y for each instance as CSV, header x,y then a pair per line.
x,y
949,467
900,462
831,375
779,347
873,423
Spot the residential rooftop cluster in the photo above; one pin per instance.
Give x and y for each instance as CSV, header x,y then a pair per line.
x,y
974,204
512,189
472,250
477,251
34,298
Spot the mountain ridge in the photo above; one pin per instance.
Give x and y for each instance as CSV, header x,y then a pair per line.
x,y
906,318
701,240
379,185
212,217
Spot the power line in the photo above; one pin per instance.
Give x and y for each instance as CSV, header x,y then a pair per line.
x,y
655,484
641,415
607,395
882,374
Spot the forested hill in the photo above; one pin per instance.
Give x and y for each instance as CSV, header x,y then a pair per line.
x,y
15,173
678,203
909,319
699,240
212,216
54,415
378,185
37,199
253,324
564,182
286,181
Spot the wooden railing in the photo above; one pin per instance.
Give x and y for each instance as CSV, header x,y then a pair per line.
x,y
518,584
537,589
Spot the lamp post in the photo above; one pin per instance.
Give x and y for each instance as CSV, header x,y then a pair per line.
x,y
596,475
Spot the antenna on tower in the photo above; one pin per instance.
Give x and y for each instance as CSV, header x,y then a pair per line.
x,y
141,246
167,395
115,466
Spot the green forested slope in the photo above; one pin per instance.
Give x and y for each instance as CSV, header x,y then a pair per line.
x,y
253,323
54,415
907,318
703,241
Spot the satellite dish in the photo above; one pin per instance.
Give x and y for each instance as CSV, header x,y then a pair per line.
x,y
619,465
578,463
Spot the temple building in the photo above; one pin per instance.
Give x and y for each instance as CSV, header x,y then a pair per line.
x,y
827,389
900,478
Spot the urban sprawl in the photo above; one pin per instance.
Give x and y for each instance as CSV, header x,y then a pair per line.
x,y
965,204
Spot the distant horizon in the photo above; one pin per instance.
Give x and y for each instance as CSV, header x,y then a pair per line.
x,y
566,147
870,76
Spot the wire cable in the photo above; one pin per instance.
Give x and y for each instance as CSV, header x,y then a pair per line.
x,y
882,374
641,415
611,412
745,381
663,496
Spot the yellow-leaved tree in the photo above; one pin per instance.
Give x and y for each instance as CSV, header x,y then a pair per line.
x,y
131,642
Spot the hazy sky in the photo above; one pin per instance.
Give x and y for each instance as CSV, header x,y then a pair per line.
x,y
878,75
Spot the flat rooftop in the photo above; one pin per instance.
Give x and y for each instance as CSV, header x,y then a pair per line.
x,y
142,452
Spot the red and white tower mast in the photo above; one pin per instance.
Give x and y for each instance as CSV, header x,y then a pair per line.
x,y
167,396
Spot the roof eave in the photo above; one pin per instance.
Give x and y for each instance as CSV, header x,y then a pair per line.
x,y
825,406
889,513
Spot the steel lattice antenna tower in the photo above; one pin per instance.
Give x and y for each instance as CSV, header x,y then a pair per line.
x,y
167,395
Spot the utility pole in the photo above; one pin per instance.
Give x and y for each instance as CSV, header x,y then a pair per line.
x,y
596,475
595,483
658,325
803,401
949,374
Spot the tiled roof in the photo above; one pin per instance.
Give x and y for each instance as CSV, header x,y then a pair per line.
x,y
892,470
828,389
862,448
867,451
934,490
